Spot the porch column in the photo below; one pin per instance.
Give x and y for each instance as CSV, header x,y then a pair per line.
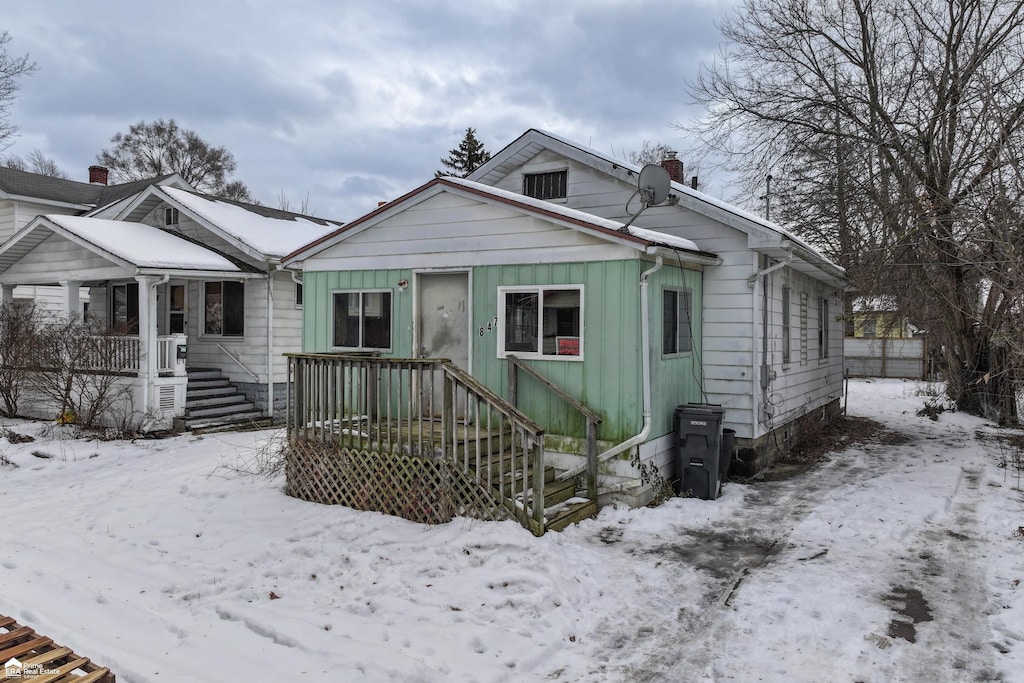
x,y
7,294
72,307
147,337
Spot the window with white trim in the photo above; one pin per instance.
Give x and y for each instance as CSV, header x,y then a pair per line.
x,y
224,308
362,320
541,322
170,216
676,331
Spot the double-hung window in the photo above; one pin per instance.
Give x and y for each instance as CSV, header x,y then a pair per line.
x,y
786,333
822,328
124,307
362,320
224,308
541,322
676,330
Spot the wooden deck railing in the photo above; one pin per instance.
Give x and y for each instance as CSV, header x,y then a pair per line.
x,y
424,407
592,419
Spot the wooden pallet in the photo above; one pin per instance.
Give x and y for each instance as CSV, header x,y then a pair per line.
x,y
42,660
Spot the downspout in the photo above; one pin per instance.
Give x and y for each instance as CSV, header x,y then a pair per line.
x,y
270,341
645,375
759,378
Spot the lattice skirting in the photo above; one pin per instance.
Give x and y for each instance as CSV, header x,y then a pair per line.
x,y
420,489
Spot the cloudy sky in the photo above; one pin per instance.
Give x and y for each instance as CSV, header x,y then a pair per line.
x,y
353,102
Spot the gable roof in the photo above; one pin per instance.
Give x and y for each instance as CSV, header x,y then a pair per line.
x,y
260,232
15,184
130,245
763,235
609,230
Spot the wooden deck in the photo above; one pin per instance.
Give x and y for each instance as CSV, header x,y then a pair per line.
x,y
41,660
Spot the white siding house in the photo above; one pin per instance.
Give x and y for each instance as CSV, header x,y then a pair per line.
x,y
225,298
764,390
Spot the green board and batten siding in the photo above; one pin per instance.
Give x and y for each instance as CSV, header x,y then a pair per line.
x,y
609,377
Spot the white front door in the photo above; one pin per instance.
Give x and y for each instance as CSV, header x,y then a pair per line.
x,y
442,326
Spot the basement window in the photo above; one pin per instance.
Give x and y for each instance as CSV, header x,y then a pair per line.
x,y
541,322
550,185
362,320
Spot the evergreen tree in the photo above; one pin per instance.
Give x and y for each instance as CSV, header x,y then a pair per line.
x,y
466,158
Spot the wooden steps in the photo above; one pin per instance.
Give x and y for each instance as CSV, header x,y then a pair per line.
x,y
559,512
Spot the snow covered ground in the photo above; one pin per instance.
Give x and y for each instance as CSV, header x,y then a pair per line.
x,y
894,560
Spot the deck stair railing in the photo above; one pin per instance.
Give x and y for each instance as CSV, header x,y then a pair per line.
x,y
515,364
420,407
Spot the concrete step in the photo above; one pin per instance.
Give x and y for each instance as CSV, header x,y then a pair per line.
x,y
220,410
196,394
210,400
238,421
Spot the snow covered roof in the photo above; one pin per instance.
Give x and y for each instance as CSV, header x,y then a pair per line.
x,y
143,245
271,232
533,140
136,244
602,227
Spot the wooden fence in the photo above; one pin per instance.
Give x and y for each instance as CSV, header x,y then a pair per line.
x,y
895,357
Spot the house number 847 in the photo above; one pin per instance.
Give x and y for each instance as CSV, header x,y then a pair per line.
x,y
490,326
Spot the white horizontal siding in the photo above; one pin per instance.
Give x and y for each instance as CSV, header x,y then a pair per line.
x,y
287,325
440,235
57,259
204,351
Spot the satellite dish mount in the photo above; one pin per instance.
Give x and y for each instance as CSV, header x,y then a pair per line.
x,y
653,187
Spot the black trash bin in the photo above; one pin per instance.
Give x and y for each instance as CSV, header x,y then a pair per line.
x,y
699,449
728,443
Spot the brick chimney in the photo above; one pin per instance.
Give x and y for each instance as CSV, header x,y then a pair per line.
x,y
98,175
673,166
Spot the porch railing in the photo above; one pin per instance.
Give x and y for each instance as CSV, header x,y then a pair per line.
x,y
123,354
592,419
424,407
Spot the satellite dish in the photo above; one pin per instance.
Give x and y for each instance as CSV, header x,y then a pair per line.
x,y
654,185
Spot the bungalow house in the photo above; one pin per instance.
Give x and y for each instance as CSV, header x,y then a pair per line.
x,y
185,278
537,281
24,195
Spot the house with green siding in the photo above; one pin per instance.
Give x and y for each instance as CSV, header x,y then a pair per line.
x,y
538,259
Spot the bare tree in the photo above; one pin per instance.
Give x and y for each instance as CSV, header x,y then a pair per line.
x,y
35,162
11,69
76,365
656,152
19,330
893,129
161,147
